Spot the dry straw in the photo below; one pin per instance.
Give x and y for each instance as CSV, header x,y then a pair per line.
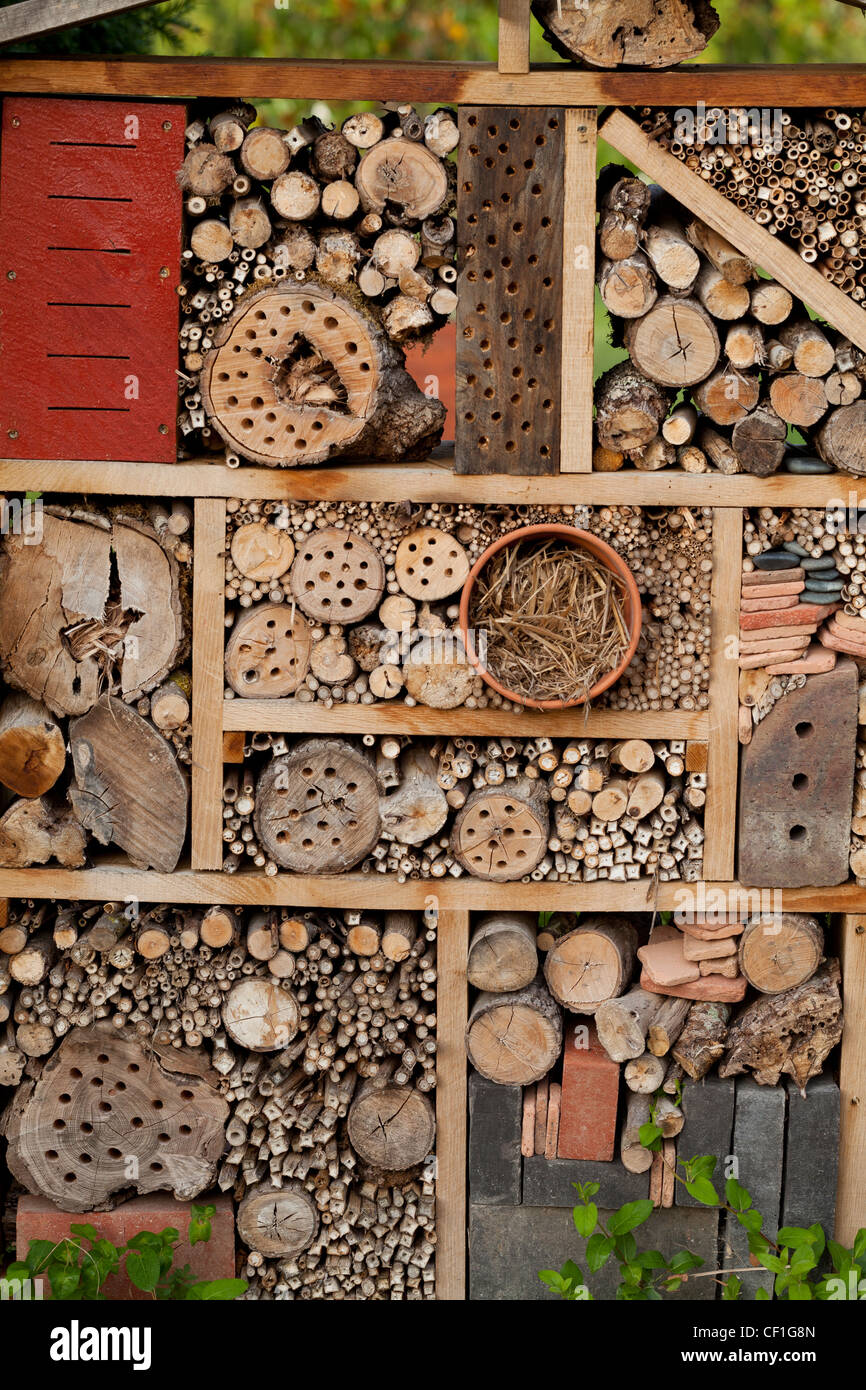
x,y
553,618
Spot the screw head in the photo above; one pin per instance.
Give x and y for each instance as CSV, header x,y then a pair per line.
x,y
163,272
16,121
166,125
13,434
11,275
163,429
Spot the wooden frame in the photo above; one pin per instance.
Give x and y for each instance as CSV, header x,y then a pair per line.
x,y
211,483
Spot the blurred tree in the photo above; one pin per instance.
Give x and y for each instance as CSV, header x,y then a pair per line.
x,y
139,31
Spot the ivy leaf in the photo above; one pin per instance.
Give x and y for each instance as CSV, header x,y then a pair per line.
x,y
598,1249
142,1266
586,1219
737,1196
703,1191
629,1216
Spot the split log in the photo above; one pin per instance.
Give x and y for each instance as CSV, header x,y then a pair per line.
x,y
788,1034
623,1023
437,672
633,1155
623,208
719,297
843,388
82,1163
600,34
759,441
727,396
321,783
417,810
744,346
515,1039
390,1127
260,1014
727,260
702,1040
667,1025
398,935
668,1116
782,952
404,174
841,439
770,303
501,833
281,1223
502,953
129,788
629,408
676,344
591,964
56,621
672,258
331,382
627,287
32,832
645,1073
32,746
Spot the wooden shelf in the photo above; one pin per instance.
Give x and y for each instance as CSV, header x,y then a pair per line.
x,y
112,881
546,84
289,717
433,481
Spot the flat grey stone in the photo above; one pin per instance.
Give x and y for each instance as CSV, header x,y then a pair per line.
x,y
495,1118
547,1182
759,1145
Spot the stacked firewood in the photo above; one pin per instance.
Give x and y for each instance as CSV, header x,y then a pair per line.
x,y
802,176
102,675
720,362
355,222
658,1034
400,638
500,810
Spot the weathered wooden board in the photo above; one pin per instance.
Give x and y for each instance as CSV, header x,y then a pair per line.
x,y
509,233
90,222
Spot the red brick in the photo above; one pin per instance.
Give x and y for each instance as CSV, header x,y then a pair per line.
x,y
765,577
39,1219
764,604
714,987
788,617
756,591
588,1102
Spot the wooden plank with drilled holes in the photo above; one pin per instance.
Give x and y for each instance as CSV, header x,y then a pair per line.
x,y
509,311
719,212
513,51
578,292
451,1013
720,812
851,1189
208,612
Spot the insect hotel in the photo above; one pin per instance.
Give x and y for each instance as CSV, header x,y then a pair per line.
x,y
418,778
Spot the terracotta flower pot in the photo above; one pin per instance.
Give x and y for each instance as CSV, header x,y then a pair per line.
x,y
602,552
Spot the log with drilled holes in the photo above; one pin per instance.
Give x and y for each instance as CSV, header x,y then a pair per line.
x,y
317,808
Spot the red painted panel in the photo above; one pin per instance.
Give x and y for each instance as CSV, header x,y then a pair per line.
x,y
435,371
90,215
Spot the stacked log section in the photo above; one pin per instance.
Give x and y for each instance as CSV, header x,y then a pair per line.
x,y
695,318
358,602
606,34
318,253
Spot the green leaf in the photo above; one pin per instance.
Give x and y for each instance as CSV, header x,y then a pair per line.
x,y
859,1246
625,1247
142,1266
702,1167
64,1281
819,1242
795,1236
86,1231
629,1216
598,1249
771,1262
751,1221
586,1219
703,1191
671,1285
586,1190
731,1289
199,1229
38,1254
17,1270
552,1278
800,1293
683,1261
651,1259
842,1260
737,1196
213,1290
761,1296
144,1240
631,1273
649,1134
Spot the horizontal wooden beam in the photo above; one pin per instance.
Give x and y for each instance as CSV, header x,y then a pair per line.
x,y
290,717
549,84
112,882
434,481
29,18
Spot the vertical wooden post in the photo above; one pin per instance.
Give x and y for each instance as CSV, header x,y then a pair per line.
x,y
720,816
851,1189
513,36
451,1105
208,625
578,291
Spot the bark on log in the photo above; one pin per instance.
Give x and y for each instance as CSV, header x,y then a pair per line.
x,y
787,1034
129,788
841,439
515,1039
623,207
814,354
501,833
655,35
782,952
32,746
31,965
629,409
623,1022
667,1025
759,441
633,1155
403,174
398,935
321,780
702,1040
592,963
502,953
32,832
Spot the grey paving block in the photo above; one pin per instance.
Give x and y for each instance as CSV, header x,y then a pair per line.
x,y
759,1146
812,1155
509,1245
547,1182
495,1115
708,1107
